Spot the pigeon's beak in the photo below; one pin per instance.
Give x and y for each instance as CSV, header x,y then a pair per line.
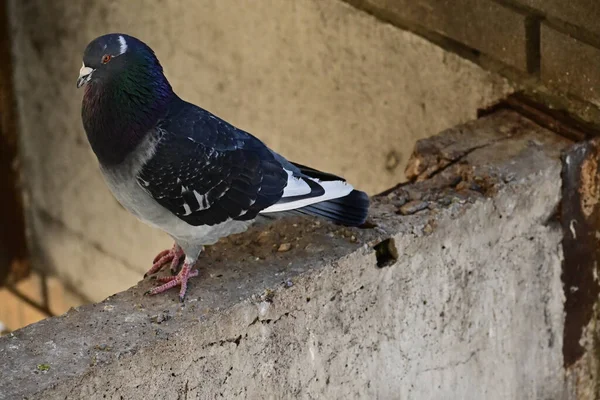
x,y
85,74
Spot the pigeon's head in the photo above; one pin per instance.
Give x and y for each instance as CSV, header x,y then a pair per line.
x,y
126,94
115,55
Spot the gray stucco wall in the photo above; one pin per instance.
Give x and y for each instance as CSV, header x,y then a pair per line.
x,y
319,81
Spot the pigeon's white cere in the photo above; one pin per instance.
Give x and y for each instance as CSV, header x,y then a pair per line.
x,y
85,71
123,44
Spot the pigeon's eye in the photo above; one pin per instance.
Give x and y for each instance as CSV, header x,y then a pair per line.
x,y
106,58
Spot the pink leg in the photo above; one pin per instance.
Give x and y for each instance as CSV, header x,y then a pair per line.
x,y
165,279
174,256
179,280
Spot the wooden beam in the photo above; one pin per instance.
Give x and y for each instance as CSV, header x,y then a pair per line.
x,y
14,262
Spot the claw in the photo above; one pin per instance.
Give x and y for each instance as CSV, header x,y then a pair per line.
x,y
175,266
174,256
160,255
180,279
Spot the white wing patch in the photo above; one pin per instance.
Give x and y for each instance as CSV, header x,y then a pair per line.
x,y
202,201
123,45
297,187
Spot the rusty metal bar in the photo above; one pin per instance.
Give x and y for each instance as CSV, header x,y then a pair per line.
x,y
580,220
556,120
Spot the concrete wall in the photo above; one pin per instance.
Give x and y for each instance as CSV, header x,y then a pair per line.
x,y
525,40
320,81
470,307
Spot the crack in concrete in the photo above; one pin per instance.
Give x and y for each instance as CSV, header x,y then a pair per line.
x,y
452,364
268,321
453,161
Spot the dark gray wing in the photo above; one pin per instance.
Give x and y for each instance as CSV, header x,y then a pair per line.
x,y
206,171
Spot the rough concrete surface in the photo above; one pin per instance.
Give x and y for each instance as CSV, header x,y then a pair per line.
x,y
577,78
460,300
584,13
320,81
484,25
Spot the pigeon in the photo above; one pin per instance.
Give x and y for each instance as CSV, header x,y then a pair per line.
x,y
182,169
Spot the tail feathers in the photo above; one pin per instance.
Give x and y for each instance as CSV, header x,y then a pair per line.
x,y
315,173
350,210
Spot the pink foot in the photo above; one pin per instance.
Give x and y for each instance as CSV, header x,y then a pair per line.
x,y
173,256
179,280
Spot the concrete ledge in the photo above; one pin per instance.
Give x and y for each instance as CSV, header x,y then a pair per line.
x,y
456,293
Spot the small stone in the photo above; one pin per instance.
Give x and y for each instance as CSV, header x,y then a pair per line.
x,y
463,185
263,308
455,181
412,207
510,177
427,229
267,296
157,318
263,237
398,198
445,201
314,248
160,318
283,247
413,193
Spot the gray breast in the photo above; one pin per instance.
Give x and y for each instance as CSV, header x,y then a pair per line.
x,y
122,181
